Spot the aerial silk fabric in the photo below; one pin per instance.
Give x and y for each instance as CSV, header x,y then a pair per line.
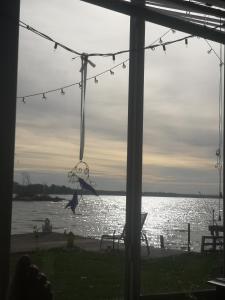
x,y
83,70
86,186
73,203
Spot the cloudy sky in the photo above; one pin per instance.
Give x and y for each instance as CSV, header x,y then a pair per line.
x,y
180,113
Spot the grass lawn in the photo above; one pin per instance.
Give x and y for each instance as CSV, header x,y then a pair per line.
x,y
84,275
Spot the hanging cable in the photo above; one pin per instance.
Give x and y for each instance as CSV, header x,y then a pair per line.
x,y
152,46
95,77
57,44
47,37
220,133
211,49
59,89
79,83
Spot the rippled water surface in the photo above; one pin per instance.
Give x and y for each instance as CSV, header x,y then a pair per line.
x,y
94,216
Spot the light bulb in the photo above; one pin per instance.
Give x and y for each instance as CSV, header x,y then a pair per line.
x,y
96,80
111,72
124,66
62,92
43,96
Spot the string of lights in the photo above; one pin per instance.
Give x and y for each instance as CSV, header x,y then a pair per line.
x,y
47,37
211,49
62,88
155,44
95,77
111,54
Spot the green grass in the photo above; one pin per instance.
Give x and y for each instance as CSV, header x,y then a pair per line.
x,y
186,272
83,275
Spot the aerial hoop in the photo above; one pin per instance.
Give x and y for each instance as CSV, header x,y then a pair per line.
x,y
79,176
80,170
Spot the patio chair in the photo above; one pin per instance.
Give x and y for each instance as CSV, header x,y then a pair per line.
x,y
120,237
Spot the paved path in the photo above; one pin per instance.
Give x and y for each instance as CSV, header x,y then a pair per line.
x,y
21,243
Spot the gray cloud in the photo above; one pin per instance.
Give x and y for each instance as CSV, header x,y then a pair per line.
x,y
181,101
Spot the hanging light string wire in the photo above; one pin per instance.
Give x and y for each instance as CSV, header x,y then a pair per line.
x,y
211,49
110,54
152,46
47,37
61,89
220,137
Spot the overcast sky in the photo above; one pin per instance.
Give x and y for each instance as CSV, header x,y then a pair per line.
x,y
180,102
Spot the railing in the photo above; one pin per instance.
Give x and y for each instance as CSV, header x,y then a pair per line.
x,y
213,242
187,246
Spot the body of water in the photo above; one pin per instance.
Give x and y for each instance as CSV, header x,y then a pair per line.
x,y
100,215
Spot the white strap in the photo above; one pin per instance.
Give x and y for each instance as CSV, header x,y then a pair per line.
x,y
83,70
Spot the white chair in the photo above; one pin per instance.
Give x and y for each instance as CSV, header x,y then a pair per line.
x,y
120,237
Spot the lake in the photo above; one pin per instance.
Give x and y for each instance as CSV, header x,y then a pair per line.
x,y
97,215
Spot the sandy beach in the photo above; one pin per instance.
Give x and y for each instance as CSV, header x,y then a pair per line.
x,y
21,243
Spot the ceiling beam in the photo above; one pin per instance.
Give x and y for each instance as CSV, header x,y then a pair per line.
x,y
192,7
161,18
203,20
217,3
162,3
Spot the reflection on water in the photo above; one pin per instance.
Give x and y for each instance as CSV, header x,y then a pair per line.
x,y
166,216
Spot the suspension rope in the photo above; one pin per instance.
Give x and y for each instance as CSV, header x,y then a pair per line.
x,y
83,83
220,133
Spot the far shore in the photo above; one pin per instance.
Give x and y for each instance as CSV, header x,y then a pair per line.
x,y
53,197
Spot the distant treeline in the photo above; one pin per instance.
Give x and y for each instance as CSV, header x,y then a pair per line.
x,y
34,189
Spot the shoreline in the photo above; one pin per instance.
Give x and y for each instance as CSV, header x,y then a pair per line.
x,y
27,242
123,194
